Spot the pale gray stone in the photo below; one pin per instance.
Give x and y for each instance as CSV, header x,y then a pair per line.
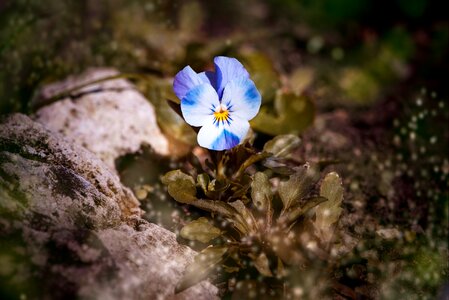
x,y
110,118
76,229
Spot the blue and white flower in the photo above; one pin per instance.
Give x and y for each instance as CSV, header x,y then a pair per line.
x,y
220,102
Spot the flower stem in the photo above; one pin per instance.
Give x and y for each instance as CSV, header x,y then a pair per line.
x,y
251,160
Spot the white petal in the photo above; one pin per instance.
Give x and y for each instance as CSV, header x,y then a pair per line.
x,y
223,135
242,98
199,104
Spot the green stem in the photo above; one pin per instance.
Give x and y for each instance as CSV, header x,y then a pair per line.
x,y
250,161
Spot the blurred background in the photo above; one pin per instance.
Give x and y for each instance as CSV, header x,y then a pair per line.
x,y
366,49
369,78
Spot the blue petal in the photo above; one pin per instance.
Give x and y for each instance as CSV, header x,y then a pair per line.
x,y
223,135
199,104
226,140
242,98
227,69
208,77
185,80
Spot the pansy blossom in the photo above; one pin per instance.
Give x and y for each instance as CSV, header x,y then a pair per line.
x,y
220,102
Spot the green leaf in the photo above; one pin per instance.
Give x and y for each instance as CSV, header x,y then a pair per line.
x,y
297,211
217,185
200,230
300,79
298,185
291,114
250,161
262,264
230,269
180,186
278,165
217,207
358,85
280,270
261,193
327,213
203,181
240,190
262,196
244,217
282,145
202,266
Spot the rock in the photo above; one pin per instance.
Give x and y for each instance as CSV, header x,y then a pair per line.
x,y
110,118
69,229
155,252
57,168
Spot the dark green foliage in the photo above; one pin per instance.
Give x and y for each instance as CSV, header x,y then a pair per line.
x,y
292,114
248,230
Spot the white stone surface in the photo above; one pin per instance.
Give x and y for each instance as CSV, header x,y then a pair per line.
x,y
110,118
77,227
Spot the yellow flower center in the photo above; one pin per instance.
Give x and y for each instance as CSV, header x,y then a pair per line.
x,y
221,114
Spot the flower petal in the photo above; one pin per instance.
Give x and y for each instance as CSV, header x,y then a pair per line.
x,y
208,77
222,135
242,98
199,104
227,69
185,80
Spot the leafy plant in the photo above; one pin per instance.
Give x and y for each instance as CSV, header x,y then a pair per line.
x,y
266,213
